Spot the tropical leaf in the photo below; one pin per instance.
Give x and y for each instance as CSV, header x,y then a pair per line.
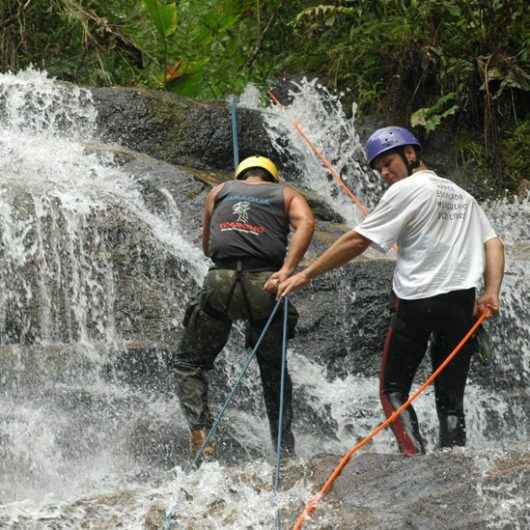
x,y
505,70
328,13
164,16
431,117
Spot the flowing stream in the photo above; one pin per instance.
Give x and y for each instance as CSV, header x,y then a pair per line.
x,y
81,251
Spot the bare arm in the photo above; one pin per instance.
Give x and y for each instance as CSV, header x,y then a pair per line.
x,y
302,221
493,275
207,216
347,247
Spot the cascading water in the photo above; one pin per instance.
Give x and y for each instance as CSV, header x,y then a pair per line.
x,y
87,252
322,117
80,252
96,272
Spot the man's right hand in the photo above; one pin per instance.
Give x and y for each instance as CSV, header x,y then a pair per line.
x,y
292,284
487,302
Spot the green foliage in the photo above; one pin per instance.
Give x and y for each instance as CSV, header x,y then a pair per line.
x,y
463,64
326,13
81,41
210,49
164,16
430,118
517,154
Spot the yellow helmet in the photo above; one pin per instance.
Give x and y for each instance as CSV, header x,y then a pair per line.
x,y
261,162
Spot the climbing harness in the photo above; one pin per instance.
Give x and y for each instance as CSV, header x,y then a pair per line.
x,y
280,419
325,162
238,280
311,505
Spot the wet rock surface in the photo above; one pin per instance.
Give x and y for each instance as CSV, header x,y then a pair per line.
x,y
177,129
446,490
185,132
344,315
451,490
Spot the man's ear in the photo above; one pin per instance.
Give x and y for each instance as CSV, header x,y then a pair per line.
x,y
410,153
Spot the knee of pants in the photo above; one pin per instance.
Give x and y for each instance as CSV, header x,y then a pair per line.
x,y
404,351
203,339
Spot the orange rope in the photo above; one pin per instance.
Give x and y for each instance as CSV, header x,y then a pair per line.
x,y
327,164
275,100
340,182
311,505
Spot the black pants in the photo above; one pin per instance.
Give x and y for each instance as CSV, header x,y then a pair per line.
x,y
445,319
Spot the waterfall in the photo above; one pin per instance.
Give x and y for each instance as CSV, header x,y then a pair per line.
x,y
96,267
82,252
323,119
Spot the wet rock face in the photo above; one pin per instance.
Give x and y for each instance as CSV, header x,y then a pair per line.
x,y
341,333
177,129
182,131
343,315
441,491
350,316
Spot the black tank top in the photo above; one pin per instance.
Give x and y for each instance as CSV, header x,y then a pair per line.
x,y
249,221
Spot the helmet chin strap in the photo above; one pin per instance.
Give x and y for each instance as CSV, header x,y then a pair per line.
x,y
410,164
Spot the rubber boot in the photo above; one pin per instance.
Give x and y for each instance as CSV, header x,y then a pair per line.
x,y
197,439
452,430
406,428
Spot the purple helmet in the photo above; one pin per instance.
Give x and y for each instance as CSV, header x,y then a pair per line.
x,y
386,139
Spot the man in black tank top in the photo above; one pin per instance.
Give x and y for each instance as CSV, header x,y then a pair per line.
x,y
245,227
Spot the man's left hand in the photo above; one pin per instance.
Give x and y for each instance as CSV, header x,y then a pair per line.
x,y
292,284
274,280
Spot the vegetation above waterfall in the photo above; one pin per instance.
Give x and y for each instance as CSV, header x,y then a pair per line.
x,y
458,65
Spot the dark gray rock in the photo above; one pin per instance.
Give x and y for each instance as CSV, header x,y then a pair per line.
x,y
176,129
443,491
183,131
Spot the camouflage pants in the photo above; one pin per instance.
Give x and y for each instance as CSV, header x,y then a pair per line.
x,y
226,297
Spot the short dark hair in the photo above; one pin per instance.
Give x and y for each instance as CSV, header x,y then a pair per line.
x,y
257,172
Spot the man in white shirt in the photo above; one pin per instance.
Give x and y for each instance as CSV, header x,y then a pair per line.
x,y
445,246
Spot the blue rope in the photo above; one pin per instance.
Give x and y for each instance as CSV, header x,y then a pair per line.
x,y
211,433
213,430
280,419
233,115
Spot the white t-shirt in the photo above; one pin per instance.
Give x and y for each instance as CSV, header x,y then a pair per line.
x,y
440,230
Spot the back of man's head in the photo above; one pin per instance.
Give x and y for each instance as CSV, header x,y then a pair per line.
x,y
257,172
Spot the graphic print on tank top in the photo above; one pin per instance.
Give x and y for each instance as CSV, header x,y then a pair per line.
x,y
242,210
249,221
